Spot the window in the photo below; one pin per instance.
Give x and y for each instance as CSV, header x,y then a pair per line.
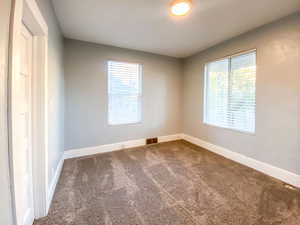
x,y
230,92
124,93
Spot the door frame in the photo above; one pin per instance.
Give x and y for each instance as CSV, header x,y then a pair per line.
x,y
27,12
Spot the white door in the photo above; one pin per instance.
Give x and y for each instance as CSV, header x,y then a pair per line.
x,y
22,133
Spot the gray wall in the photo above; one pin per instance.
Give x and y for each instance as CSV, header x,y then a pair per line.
x,y
277,138
86,95
5,202
56,87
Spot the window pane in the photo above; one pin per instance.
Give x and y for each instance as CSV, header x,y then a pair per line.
x,y
124,90
217,92
242,92
124,109
124,78
230,92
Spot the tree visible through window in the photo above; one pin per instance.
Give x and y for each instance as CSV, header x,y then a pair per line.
x,y
230,92
124,93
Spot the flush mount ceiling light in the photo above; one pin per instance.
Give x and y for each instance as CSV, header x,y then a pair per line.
x,y
181,7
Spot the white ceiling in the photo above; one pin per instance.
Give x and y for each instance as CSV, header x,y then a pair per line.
x,y
147,26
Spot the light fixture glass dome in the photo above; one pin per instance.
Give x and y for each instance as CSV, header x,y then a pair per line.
x,y
180,7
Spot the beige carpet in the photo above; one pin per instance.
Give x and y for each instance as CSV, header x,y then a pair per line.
x,y
173,183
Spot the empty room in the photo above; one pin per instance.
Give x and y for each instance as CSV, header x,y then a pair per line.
x,y
157,112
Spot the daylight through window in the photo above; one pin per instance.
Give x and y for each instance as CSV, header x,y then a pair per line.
x,y
230,92
124,93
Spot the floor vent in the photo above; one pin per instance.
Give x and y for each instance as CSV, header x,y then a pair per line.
x,y
150,141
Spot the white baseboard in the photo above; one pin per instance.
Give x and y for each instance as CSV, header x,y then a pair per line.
x,y
74,153
54,182
278,173
167,138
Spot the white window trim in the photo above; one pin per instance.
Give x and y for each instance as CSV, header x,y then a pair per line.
x,y
141,92
205,97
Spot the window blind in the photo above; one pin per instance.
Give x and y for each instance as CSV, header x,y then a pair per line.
x,y
230,92
124,93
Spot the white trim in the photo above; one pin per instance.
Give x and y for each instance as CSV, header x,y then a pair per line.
x,y
242,52
167,138
54,182
28,218
40,125
278,173
33,17
27,12
5,159
74,153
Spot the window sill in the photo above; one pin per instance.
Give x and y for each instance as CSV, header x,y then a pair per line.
x,y
231,129
124,124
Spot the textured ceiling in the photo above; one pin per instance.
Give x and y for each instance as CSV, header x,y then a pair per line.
x,y
147,26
